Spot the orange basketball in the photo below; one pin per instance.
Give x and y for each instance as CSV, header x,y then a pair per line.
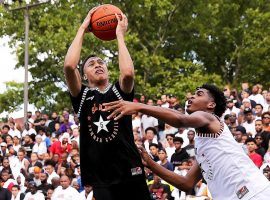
x,y
103,22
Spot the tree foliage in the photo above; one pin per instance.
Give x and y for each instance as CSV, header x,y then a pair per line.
x,y
175,45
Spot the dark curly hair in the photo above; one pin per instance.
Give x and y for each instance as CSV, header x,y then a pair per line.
x,y
218,97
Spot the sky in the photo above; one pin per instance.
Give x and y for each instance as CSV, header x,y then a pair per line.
x,y
8,61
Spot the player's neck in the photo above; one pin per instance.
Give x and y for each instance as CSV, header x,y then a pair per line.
x,y
101,85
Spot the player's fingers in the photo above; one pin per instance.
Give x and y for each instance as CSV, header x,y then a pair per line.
x,y
111,103
114,113
119,116
110,108
117,17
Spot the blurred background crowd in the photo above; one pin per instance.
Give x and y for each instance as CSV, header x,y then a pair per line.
x,y
41,159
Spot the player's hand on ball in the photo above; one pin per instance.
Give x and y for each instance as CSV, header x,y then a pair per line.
x,y
86,22
122,25
120,108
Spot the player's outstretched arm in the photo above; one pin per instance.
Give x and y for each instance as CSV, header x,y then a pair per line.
x,y
73,57
126,67
184,183
169,116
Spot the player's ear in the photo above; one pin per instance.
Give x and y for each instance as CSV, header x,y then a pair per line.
x,y
212,105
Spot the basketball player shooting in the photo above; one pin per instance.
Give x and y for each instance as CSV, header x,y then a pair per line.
x,y
228,171
109,158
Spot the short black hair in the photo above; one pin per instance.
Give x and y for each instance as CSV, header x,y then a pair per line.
x,y
81,66
250,139
178,139
153,145
241,129
152,129
218,96
49,162
170,134
258,104
6,126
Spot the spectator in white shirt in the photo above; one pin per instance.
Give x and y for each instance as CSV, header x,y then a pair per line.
x,y
13,131
39,147
256,96
87,193
249,123
65,191
49,167
33,194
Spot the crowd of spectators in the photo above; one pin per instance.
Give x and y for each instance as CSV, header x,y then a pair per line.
x,y
42,161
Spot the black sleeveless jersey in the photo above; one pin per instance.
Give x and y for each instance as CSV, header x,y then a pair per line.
x,y
108,154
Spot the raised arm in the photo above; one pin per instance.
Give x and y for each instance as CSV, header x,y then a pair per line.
x,y
72,58
169,116
184,183
126,67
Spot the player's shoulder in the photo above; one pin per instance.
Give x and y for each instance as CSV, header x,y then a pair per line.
x,y
204,114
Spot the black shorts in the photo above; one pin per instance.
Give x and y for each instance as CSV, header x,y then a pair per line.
x,y
136,190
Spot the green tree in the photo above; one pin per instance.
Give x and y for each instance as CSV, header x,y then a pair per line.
x,y
175,45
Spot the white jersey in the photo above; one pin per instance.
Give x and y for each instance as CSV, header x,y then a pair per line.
x,y
229,172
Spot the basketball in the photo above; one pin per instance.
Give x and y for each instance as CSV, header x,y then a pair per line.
x,y
103,22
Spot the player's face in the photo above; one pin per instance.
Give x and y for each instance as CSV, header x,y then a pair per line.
x,y
95,69
200,101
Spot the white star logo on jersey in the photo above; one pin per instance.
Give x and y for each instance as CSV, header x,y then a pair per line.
x,y
101,124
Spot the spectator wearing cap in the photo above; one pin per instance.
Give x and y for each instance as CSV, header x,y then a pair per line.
x,y
61,146
65,191
231,107
33,194
249,123
4,150
256,96
39,147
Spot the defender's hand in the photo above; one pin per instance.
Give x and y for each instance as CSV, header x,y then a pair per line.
x,y
120,108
